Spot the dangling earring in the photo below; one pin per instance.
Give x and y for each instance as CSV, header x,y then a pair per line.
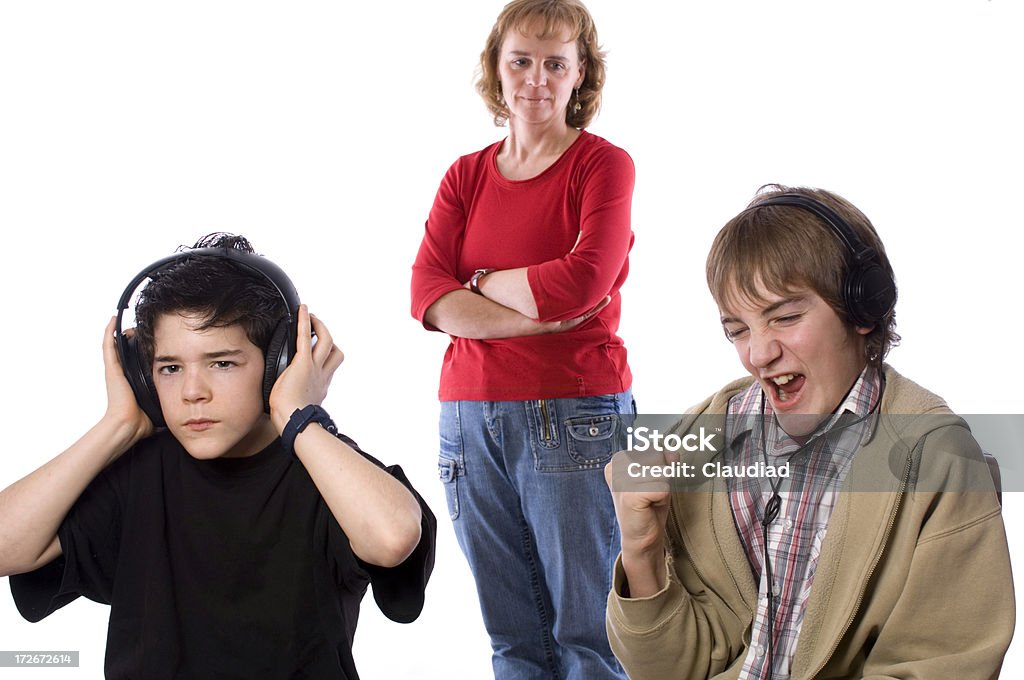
x,y
577,106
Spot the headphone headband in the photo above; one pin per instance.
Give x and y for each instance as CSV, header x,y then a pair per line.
x,y
869,291
277,354
855,247
255,263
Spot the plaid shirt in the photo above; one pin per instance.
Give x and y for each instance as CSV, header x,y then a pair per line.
x,y
809,495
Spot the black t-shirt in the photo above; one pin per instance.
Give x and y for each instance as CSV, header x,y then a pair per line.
x,y
227,568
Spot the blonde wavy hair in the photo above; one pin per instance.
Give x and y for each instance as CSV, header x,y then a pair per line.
x,y
552,16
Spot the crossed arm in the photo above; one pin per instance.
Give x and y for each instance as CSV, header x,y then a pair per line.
x,y
549,297
465,314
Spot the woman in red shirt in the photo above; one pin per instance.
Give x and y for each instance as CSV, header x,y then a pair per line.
x,y
524,253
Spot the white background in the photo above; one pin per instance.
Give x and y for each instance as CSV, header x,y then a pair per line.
x,y
321,131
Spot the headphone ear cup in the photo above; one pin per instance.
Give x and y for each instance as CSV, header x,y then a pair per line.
x,y
280,351
140,379
870,295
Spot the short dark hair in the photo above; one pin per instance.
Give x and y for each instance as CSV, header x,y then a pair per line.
x,y
783,247
218,290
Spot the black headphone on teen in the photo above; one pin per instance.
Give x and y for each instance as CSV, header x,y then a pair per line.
x,y
277,354
868,291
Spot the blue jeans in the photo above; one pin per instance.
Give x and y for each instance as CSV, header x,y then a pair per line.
x,y
525,487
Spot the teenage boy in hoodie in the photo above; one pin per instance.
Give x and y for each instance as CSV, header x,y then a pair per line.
x,y
880,553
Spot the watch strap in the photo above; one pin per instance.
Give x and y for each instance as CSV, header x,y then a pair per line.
x,y
300,420
474,282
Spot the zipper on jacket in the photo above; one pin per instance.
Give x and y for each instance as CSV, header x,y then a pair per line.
x,y
871,571
545,420
702,575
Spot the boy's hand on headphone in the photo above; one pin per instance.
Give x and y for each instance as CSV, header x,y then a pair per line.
x,y
122,408
309,374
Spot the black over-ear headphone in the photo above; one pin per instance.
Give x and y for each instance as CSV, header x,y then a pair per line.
x,y
277,354
869,291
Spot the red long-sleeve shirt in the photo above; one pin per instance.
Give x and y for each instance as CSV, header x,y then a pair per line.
x,y
570,226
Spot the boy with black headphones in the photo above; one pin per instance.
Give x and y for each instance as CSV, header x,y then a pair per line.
x,y
215,506
841,522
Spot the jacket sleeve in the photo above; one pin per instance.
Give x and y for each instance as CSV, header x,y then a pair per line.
x,y
683,632
434,273
955,614
573,284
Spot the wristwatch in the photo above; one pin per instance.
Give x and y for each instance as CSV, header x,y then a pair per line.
x,y
301,418
474,283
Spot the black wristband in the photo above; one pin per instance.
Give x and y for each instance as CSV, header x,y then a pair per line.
x,y
298,422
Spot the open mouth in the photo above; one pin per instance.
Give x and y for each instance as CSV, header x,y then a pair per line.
x,y
787,386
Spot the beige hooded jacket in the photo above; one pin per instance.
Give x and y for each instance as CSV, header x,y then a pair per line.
x,y
913,580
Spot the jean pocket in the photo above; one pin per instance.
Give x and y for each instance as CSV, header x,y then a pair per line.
x,y
449,471
450,461
593,440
